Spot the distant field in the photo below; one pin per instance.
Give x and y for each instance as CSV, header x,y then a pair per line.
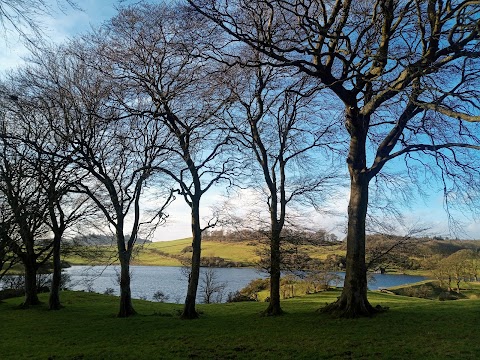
x,y
88,329
169,253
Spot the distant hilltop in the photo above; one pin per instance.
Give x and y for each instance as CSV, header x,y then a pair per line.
x,y
100,239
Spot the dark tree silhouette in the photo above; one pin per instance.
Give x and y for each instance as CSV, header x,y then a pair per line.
x,y
113,151
273,123
154,51
406,74
24,209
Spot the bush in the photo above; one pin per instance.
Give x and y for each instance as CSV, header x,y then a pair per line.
x,y
187,249
160,296
255,286
13,282
109,291
446,295
11,293
216,262
238,297
44,282
249,292
422,291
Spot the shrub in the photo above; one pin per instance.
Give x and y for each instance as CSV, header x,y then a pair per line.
x,y
422,291
187,249
160,296
109,291
238,297
249,292
11,293
255,286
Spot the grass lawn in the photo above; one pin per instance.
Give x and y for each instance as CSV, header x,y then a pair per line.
x,y
88,329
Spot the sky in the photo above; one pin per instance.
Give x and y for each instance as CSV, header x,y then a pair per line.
x,y
62,25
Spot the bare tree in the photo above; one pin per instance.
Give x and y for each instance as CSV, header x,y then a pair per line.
x,y
211,289
24,209
406,74
115,151
275,126
7,257
155,51
23,16
54,175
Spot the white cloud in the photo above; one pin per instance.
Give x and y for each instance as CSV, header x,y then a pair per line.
x,y
178,222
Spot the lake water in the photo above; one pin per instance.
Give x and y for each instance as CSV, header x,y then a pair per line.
x,y
147,280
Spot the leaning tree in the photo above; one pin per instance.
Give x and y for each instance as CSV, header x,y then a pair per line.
x,y
406,74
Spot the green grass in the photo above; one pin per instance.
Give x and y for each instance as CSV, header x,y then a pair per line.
x,y
88,329
471,290
151,254
165,253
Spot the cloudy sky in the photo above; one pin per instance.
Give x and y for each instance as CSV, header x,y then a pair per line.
x,y
62,25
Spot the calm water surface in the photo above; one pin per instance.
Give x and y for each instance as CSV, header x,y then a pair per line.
x,y
147,280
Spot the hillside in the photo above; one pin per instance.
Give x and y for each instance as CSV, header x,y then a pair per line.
x,y
409,256
174,253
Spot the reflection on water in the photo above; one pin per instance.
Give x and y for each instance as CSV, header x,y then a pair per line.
x,y
172,281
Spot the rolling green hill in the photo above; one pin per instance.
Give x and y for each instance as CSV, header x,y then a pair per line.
x,y
410,258
171,253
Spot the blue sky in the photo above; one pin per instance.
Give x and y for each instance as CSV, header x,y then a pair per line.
x,y
61,26
58,27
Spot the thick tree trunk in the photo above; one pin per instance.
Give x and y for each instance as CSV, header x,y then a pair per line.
x,y
274,305
189,311
126,307
353,301
54,300
31,290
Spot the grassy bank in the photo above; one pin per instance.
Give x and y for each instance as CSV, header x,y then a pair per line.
x,y
88,329
170,253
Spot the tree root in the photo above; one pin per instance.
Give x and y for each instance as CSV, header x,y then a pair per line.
x,y
272,311
189,315
349,310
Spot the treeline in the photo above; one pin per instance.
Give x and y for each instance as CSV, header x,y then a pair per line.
x,y
397,253
98,239
294,236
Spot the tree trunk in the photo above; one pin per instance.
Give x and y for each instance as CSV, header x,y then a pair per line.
x,y
31,291
54,301
274,305
353,301
126,307
189,311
